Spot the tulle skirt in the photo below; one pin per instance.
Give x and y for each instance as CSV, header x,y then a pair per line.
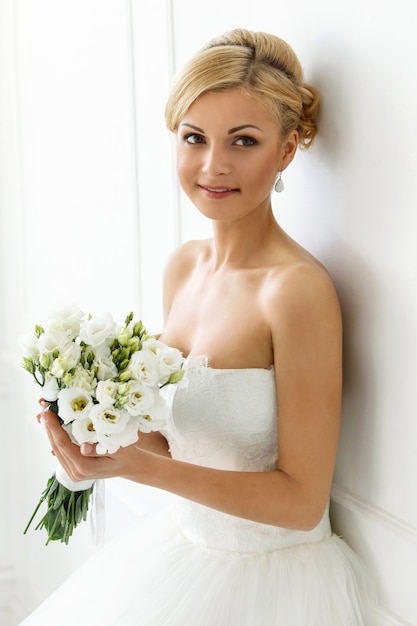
x,y
153,576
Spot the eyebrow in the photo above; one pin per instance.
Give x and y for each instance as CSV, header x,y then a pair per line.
x,y
229,132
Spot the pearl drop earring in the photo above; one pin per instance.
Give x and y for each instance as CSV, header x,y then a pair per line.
x,y
279,183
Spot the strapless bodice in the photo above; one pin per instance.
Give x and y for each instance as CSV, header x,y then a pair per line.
x,y
227,419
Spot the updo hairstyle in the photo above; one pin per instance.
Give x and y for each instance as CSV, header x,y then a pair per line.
x,y
260,64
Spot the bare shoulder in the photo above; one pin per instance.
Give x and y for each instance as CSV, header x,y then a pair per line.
x,y
181,261
302,290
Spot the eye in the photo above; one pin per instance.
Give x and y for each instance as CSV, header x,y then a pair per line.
x,y
245,141
193,138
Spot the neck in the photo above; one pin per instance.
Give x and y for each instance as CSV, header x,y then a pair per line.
x,y
243,242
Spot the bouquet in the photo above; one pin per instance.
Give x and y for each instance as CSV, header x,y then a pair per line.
x,y
104,382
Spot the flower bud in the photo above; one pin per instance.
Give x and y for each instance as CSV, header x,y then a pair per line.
x,y
124,337
123,389
134,345
28,365
66,379
176,377
39,330
44,361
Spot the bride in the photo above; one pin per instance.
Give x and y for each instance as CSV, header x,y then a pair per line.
x,y
251,444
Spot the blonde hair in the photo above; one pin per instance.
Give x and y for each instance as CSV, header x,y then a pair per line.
x,y
260,64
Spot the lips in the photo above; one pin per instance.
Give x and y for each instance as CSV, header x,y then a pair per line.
x,y
218,192
218,189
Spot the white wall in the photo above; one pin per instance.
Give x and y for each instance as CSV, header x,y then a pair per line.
x,y
90,210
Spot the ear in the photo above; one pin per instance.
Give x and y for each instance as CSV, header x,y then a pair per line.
x,y
289,149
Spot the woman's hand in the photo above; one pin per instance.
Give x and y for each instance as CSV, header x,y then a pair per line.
x,y
83,463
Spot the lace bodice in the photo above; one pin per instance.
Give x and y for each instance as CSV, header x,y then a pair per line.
x,y
227,419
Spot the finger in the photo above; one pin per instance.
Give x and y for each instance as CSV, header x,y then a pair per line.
x,y
45,410
61,445
45,404
87,449
51,421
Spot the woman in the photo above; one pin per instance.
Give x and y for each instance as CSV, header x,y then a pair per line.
x,y
251,445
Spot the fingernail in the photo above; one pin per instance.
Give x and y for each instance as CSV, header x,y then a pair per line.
x,y
43,419
86,448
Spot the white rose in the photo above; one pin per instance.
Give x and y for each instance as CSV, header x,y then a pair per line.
x,y
108,420
109,444
98,329
68,359
140,400
74,403
106,392
144,367
66,318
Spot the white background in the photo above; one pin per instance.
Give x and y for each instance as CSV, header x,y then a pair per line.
x,y
90,210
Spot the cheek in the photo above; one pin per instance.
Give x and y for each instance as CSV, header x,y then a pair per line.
x,y
182,174
262,174
184,168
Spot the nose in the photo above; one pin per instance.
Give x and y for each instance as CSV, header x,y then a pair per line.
x,y
216,161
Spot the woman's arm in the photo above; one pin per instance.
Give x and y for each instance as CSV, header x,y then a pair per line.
x,y
306,337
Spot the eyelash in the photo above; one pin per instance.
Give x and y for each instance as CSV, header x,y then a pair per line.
x,y
245,138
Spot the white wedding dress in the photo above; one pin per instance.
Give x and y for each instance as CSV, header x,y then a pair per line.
x,y
201,567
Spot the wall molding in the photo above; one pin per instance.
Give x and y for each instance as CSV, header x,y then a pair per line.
x,y
383,618
387,545
347,500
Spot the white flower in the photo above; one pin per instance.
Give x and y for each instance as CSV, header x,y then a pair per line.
x,y
96,330
140,400
144,367
106,392
66,318
105,367
48,342
82,431
109,444
29,345
170,361
157,417
82,378
73,403
108,420
68,359
153,344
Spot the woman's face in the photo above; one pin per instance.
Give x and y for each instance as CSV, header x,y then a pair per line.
x,y
229,150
